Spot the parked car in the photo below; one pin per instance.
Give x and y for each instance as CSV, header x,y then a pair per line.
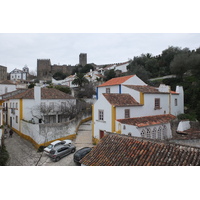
x,y
60,151
56,143
81,153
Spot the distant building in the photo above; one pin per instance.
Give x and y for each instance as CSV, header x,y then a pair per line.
x,y
45,70
3,73
18,74
83,59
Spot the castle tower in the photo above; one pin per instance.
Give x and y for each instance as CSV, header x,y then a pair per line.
x,y
44,69
83,59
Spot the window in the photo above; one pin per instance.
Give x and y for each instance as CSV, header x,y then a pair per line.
x,y
175,102
107,90
160,133
127,113
101,115
148,133
143,133
165,132
154,133
16,105
157,103
16,119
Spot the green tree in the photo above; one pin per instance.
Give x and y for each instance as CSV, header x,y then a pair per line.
x,y
179,65
59,75
80,80
109,74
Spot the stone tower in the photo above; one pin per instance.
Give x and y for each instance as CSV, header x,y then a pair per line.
x,y
44,69
83,59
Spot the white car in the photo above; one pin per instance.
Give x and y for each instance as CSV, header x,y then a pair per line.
x,y
56,143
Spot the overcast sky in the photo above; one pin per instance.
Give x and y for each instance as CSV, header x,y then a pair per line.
x,y
19,49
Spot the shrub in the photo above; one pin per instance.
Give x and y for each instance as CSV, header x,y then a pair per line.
x,y
4,156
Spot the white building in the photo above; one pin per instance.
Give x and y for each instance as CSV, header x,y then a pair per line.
x,y
127,105
7,86
18,74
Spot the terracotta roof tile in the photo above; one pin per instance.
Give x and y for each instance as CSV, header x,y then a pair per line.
x,y
7,82
46,93
121,99
145,89
116,81
121,150
148,120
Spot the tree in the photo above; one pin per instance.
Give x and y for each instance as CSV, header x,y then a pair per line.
x,y
80,80
109,74
59,75
179,65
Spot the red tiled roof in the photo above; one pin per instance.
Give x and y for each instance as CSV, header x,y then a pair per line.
x,y
116,81
148,120
121,99
145,89
173,92
120,150
46,93
7,82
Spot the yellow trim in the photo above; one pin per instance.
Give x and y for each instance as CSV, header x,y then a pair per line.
x,y
82,121
1,102
36,145
141,98
93,121
21,109
113,111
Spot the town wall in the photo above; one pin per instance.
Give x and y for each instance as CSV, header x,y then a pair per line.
x,y
3,73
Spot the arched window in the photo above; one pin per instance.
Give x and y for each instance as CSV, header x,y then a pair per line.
x,y
165,132
148,133
143,133
160,133
129,134
154,133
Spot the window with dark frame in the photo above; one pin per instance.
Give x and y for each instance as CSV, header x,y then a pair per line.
x,y
175,102
101,115
107,90
157,103
127,113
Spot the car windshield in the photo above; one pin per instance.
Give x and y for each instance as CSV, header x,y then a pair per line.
x,y
50,146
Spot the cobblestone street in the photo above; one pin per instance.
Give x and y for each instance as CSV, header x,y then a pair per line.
x,y
23,153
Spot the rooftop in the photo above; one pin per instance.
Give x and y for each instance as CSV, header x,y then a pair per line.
x,y
121,150
121,99
116,81
46,93
148,120
7,82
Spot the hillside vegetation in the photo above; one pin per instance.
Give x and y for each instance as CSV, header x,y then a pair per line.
x,y
184,63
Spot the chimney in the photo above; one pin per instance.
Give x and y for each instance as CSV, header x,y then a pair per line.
x,y
37,94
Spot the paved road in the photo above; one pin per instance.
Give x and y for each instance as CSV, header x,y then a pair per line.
x,y
23,153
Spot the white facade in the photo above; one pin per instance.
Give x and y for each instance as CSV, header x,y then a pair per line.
x,y
5,88
18,74
155,102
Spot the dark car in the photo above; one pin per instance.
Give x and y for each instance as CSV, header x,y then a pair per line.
x,y
81,153
60,151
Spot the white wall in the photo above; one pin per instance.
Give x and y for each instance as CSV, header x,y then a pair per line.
x,y
126,129
183,125
113,89
134,81
10,88
106,124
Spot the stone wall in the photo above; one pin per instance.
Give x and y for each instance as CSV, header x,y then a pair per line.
x,y
3,73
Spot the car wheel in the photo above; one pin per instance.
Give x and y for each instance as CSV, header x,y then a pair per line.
x,y
57,159
73,150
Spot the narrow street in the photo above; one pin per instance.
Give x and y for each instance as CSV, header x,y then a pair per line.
x,y
23,153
